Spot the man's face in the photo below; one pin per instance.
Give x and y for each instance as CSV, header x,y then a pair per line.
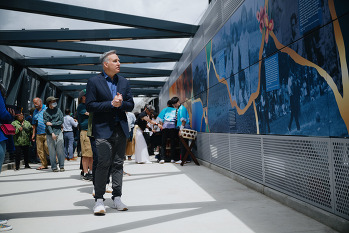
x,y
37,104
113,64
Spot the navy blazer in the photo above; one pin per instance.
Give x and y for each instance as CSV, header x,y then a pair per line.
x,y
98,101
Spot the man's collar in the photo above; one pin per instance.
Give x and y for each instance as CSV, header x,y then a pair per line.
x,y
106,76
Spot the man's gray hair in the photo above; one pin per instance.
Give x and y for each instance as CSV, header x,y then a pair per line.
x,y
104,57
150,107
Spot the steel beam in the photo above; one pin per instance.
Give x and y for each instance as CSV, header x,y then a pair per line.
x,y
72,87
85,77
124,70
13,36
92,48
94,15
13,93
134,91
140,91
147,83
59,61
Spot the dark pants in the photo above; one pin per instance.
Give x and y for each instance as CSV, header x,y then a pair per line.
x,y
171,134
155,140
19,151
110,153
95,160
147,140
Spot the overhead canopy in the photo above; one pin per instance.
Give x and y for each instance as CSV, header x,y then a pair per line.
x,y
65,39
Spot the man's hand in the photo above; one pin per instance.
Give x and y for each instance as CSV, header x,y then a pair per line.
x,y
117,101
54,137
21,128
33,137
48,123
11,111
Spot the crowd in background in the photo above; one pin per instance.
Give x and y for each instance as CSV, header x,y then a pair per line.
x,y
33,140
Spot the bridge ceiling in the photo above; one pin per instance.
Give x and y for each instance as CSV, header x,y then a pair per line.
x,y
68,54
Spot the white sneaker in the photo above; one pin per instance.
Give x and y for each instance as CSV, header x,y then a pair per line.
x,y
148,162
178,162
172,161
108,188
4,227
119,205
3,221
99,208
162,161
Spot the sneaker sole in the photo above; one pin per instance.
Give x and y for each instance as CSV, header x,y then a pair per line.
x,y
100,213
119,209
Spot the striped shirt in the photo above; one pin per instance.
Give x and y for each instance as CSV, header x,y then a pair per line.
x,y
38,120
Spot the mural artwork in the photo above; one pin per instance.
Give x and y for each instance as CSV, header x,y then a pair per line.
x,y
275,67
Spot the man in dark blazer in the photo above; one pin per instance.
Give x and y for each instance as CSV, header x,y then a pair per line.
x,y
108,96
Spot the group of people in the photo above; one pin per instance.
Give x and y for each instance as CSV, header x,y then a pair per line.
x,y
106,127
48,131
170,121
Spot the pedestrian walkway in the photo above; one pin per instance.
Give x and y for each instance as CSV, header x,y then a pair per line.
x,y
162,198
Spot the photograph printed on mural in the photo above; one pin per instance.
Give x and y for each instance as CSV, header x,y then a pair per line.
x,y
271,70
305,69
199,104
183,89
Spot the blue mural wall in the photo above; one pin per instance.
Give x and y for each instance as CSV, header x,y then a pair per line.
x,y
275,67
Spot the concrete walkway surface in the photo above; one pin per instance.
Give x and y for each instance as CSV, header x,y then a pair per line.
x,y
164,198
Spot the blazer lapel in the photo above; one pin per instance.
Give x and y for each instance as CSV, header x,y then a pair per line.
x,y
119,85
105,87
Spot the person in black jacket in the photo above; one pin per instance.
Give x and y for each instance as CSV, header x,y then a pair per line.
x,y
108,97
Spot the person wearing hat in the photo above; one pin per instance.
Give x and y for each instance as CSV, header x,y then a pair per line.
x,y
22,139
86,149
53,119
